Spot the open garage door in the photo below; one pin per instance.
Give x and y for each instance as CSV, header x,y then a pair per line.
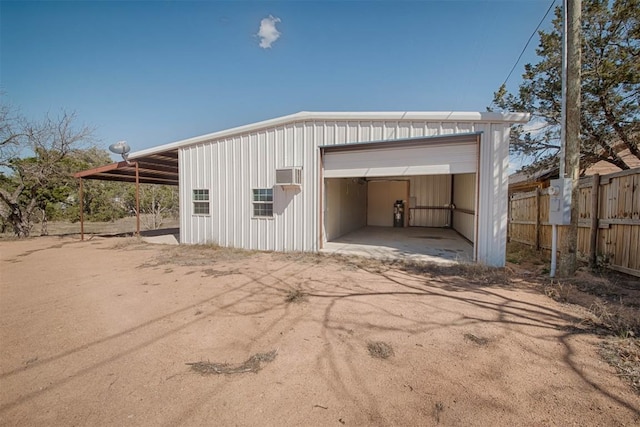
x,y
435,177
453,154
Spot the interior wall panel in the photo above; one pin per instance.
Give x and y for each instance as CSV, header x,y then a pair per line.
x,y
381,196
430,192
345,206
464,193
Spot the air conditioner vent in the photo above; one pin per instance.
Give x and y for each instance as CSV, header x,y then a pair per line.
x,y
289,176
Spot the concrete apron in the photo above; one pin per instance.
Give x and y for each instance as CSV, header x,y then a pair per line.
x,y
438,245
163,236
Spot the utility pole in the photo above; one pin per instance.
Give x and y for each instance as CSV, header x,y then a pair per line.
x,y
569,246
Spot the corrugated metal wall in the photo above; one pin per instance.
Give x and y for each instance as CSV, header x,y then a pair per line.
x,y
491,204
430,191
230,167
464,198
345,206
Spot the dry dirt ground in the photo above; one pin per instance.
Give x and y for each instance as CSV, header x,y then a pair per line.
x,y
102,332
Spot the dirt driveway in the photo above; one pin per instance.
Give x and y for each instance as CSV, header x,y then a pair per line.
x,y
100,333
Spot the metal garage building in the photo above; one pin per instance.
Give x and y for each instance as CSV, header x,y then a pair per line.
x,y
295,182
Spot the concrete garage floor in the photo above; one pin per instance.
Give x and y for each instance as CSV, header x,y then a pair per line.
x,y
439,245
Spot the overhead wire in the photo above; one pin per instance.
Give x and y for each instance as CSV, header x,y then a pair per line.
x,y
524,49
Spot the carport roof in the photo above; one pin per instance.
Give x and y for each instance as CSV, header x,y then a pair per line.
x,y
157,168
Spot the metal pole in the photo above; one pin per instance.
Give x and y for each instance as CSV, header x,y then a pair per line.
x,y
137,201
81,211
554,250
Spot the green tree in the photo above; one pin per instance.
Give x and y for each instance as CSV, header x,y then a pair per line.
x,y
610,86
102,200
37,160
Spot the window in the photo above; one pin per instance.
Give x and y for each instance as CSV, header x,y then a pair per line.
x,y
201,202
263,202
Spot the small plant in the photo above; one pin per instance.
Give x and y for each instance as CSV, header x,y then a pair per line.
x,y
129,242
513,259
624,355
519,253
614,319
295,296
380,349
602,262
558,291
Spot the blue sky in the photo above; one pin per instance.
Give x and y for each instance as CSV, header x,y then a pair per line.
x,y
153,72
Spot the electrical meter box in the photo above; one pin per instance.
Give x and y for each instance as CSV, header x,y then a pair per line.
x,y
560,201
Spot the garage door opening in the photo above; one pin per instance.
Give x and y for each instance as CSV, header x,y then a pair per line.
x,y
430,181
438,221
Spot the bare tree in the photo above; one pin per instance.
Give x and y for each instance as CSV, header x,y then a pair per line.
x,y
36,156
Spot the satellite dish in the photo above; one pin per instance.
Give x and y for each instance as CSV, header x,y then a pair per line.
x,y
122,148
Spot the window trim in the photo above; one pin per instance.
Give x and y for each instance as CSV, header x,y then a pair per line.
x,y
268,193
195,201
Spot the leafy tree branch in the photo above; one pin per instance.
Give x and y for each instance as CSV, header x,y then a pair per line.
x,y
610,112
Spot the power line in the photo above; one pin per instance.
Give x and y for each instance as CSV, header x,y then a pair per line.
x,y
529,41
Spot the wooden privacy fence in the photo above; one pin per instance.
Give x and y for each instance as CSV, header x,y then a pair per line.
x,y
608,224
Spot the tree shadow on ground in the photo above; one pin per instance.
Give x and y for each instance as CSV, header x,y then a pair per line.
x,y
362,301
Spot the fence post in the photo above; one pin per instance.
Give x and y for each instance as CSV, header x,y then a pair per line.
x,y
593,238
508,218
537,226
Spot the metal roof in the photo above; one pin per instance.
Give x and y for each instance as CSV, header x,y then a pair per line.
x,y
442,116
159,165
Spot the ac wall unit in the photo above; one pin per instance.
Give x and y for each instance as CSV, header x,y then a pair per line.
x,y
289,177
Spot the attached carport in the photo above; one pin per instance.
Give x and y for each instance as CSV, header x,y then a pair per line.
x,y
158,168
436,177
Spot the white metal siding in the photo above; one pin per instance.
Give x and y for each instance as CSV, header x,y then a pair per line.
x,y
232,165
492,199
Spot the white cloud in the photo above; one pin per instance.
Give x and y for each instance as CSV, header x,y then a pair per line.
x,y
268,32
